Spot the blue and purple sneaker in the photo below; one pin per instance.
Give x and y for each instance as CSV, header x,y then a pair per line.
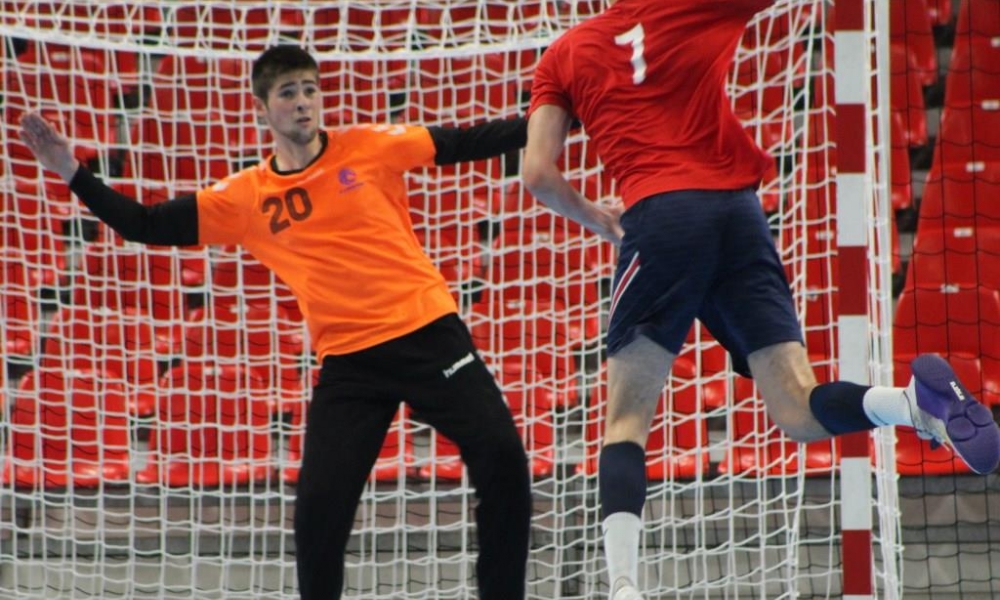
x,y
944,411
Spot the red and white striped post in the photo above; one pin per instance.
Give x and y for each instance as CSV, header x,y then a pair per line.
x,y
851,93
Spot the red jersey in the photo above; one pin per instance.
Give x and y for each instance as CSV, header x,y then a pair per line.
x,y
647,80
338,232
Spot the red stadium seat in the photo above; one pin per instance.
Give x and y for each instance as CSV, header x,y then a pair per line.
x,y
975,53
208,88
31,221
118,275
820,274
820,152
192,258
961,195
520,212
530,337
973,73
396,460
532,413
236,26
583,169
364,24
446,210
141,20
906,96
259,336
761,100
456,254
910,26
770,31
68,428
704,358
362,88
104,19
538,265
901,190
454,90
70,88
954,258
677,446
761,91
821,307
446,462
119,344
940,12
213,429
490,20
978,20
915,456
187,149
114,18
951,320
568,13
968,135
759,447
19,308
955,322
197,83
200,83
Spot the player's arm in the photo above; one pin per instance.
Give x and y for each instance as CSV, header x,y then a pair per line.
x,y
172,223
547,130
493,138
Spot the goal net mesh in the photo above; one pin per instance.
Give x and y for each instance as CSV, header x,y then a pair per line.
x,y
153,398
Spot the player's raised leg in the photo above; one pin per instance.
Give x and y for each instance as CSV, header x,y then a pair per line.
x,y
935,402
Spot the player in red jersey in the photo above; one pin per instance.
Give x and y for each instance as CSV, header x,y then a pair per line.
x,y
647,80
328,212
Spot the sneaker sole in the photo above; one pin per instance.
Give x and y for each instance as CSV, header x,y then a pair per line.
x,y
973,434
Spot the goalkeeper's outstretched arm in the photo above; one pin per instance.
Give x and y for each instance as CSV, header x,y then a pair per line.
x,y
485,140
172,223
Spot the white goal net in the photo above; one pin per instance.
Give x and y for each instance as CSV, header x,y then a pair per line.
x,y
152,398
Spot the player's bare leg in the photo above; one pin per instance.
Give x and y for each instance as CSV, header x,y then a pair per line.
x,y
636,376
785,380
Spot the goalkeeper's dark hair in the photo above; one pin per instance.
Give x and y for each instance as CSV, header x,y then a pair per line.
x,y
276,61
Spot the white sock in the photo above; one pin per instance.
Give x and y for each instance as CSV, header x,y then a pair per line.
x,y
622,534
887,406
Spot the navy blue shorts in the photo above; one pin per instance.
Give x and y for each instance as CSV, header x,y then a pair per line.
x,y
706,255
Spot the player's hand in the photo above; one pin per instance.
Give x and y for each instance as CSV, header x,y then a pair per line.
x,y
610,227
49,146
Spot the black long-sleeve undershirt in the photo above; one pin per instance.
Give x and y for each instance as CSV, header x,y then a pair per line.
x,y
170,223
485,140
175,222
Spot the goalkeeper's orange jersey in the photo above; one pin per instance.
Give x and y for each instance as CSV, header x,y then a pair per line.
x,y
339,234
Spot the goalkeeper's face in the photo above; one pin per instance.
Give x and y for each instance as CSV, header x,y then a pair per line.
x,y
293,106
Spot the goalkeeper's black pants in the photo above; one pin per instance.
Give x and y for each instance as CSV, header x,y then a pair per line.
x,y
437,371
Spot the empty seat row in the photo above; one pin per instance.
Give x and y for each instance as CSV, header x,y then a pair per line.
x,y
213,427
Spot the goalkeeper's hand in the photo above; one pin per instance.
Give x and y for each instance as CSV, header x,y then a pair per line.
x,y
48,145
